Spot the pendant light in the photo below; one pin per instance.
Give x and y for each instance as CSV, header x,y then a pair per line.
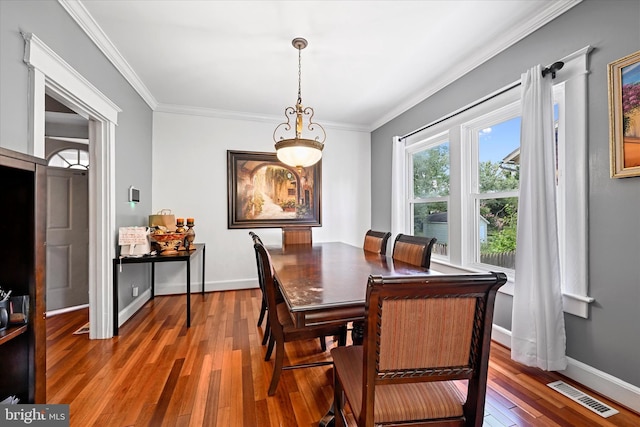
x,y
299,151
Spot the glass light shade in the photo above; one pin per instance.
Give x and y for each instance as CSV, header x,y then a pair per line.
x,y
299,152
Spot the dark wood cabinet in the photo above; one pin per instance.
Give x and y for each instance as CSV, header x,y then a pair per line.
x,y
23,189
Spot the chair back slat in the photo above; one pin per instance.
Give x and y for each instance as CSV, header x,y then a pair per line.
x,y
269,286
256,240
415,250
376,241
296,236
416,333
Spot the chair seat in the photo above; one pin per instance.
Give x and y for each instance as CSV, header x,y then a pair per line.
x,y
395,402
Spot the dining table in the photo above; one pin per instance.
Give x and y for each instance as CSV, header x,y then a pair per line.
x,y
327,282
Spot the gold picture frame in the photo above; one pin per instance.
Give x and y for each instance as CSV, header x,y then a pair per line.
x,y
624,116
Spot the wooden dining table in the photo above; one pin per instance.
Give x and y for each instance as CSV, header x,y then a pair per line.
x,y
327,282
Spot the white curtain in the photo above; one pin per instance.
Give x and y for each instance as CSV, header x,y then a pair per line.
x,y
398,177
537,333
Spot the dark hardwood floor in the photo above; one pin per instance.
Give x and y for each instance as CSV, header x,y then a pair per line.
x,y
159,373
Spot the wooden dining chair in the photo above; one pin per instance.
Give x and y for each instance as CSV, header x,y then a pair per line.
x,y
376,241
263,305
296,236
403,374
415,250
282,327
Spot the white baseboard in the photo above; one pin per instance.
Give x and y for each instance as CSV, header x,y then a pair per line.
x,y
230,285
607,385
66,310
178,289
131,309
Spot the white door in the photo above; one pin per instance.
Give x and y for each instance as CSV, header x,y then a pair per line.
x,y
67,238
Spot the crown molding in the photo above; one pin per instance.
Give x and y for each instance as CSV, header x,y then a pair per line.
x,y
543,17
237,115
83,18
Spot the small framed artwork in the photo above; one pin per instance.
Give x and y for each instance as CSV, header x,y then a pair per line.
x,y
263,192
624,116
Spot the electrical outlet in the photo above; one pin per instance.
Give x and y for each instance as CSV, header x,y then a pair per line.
x,y
134,290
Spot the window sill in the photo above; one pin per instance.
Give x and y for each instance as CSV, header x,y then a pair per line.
x,y
578,305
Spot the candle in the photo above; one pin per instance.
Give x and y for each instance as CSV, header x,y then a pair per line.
x,y
190,221
180,221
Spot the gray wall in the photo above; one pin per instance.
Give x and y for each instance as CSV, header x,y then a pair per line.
x,y
51,23
609,340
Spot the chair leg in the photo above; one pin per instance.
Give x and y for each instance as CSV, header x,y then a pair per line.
x,y
267,356
267,333
338,402
323,343
263,310
277,368
342,338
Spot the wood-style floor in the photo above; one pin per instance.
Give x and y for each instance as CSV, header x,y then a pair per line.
x,y
159,373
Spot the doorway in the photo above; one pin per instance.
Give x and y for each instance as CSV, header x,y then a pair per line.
x,y
49,74
67,154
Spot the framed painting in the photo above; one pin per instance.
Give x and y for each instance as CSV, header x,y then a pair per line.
x,y
263,192
624,116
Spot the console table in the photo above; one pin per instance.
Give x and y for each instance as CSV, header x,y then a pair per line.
x,y
184,256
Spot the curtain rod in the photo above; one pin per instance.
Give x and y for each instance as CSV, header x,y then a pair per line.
x,y
548,70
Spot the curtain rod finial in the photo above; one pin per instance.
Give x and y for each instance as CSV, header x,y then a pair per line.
x,y
552,69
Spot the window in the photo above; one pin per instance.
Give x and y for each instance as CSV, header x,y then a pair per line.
x,y
70,158
492,146
461,184
429,200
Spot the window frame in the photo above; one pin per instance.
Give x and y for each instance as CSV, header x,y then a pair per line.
x,y
428,143
80,164
570,89
472,197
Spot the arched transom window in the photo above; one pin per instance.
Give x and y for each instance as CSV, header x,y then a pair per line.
x,y
70,158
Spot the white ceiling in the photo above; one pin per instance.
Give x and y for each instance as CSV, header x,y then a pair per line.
x,y
367,61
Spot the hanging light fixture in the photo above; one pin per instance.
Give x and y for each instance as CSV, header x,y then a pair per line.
x,y
299,151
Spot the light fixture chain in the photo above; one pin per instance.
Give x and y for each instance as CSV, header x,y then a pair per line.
x,y
299,75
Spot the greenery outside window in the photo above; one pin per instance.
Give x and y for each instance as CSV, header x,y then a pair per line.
x,y
429,198
492,150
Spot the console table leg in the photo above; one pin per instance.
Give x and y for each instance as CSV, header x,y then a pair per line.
x,y
188,293
204,248
115,298
153,280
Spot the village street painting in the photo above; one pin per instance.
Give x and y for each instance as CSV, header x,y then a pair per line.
x,y
264,192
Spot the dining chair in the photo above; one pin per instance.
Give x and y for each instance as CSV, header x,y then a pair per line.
x,y
376,241
296,236
403,374
282,327
263,305
415,250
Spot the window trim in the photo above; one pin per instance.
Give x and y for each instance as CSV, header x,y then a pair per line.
x,y
573,178
472,196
